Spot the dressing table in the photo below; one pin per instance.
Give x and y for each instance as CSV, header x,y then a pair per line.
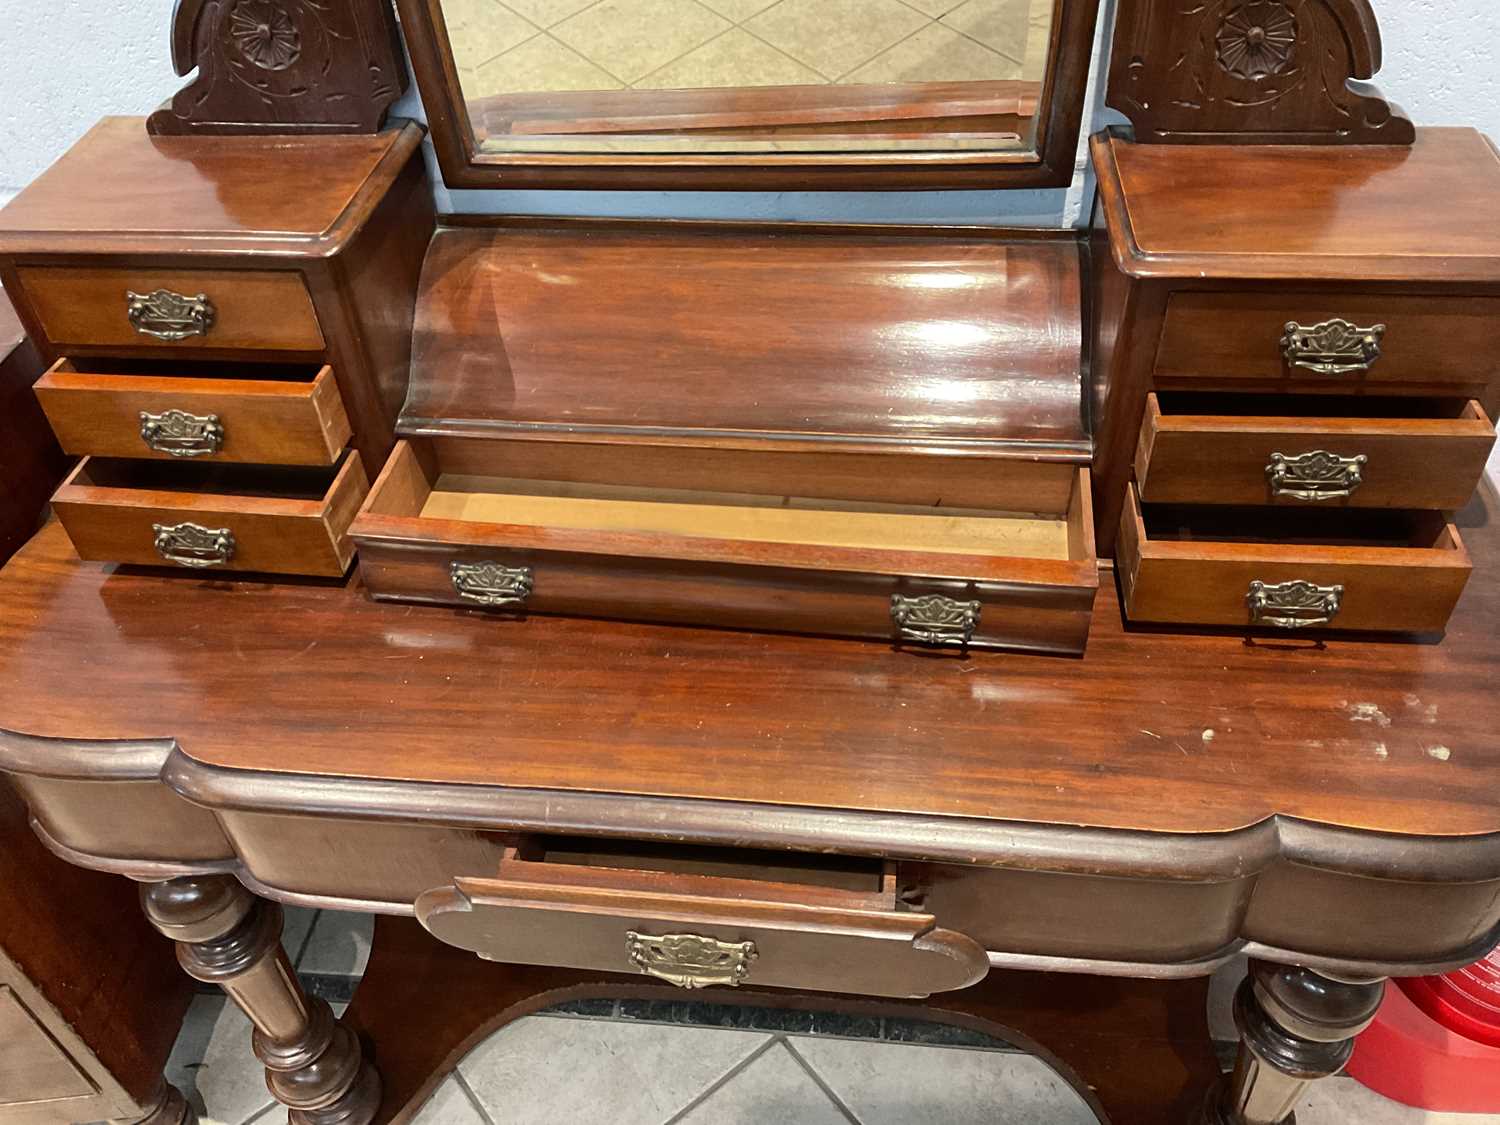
x,y
1004,627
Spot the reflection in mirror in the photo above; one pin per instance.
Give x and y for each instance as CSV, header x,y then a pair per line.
x,y
752,76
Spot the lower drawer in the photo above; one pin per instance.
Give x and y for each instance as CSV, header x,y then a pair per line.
x,y
918,575
1390,571
717,922
221,517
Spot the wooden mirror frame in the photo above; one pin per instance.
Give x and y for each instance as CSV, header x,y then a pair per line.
x,y
1048,164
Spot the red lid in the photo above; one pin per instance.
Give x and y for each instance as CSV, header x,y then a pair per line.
x,y
1467,1001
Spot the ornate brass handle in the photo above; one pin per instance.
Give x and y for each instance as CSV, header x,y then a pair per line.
x,y
1319,475
180,434
934,620
188,544
491,584
690,960
1334,347
1293,605
169,316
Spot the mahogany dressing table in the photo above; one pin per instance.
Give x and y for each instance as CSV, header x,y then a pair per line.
x,y
682,547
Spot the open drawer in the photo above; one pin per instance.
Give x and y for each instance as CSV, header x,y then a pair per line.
x,y
268,414
221,517
921,575
1354,451
1393,571
712,917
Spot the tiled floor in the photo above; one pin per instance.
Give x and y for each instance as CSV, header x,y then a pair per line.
x,y
634,1069
515,46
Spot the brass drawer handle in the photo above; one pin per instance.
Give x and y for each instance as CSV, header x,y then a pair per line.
x,y
1293,605
690,960
1334,347
935,620
188,544
180,434
1319,475
169,316
491,584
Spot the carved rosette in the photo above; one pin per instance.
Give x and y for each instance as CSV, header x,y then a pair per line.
x,y
1257,40
265,34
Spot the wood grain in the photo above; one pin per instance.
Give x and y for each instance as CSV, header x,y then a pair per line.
x,y
31,463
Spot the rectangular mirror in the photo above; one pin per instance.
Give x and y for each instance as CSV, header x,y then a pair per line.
x,y
751,93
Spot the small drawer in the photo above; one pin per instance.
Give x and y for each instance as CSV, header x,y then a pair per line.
x,y
915,575
1280,568
1299,450
248,413
213,517
718,919
179,309
1330,341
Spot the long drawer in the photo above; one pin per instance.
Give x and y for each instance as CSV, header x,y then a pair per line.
x,y
254,414
916,575
1383,571
714,924
145,307
206,517
1337,341
1320,450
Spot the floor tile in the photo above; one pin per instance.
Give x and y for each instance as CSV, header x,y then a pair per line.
x,y
896,1084
480,30
1038,42
537,65
450,1105
632,38
836,36
775,1089
1221,989
738,10
935,8
936,54
1001,25
294,931
339,944
213,1065
1343,1101
543,13
548,1071
734,59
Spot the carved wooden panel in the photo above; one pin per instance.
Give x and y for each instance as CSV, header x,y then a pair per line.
x,y
283,66
1251,72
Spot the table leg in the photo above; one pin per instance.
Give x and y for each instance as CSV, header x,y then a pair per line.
x,y
171,1108
227,936
1296,1026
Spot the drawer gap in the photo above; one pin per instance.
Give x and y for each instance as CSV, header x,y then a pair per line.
x,y
1374,528
190,369
1211,404
288,482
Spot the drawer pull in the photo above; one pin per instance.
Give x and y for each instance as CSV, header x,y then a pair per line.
x,y
1319,475
180,434
690,960
1293,605
491,584
188,544
169,316
934,619
1335,347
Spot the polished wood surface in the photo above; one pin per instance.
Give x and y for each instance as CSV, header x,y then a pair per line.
x,y
344,687
1364,214
269,417
121,191
708,333
31,463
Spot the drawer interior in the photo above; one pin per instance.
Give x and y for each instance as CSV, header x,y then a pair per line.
x,y
1351,527
124,475
111,366
1213,404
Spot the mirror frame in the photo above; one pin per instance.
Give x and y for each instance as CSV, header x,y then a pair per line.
x,y
1049,164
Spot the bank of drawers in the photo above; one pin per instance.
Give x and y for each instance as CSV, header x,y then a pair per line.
x,y
1298,458
213,435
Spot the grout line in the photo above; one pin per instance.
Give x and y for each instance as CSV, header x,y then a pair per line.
x,y
479,1106
714,1087
306,940
820,1083
690,51
263,1112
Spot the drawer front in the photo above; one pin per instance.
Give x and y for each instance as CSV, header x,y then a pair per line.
x,y
1369,463
167,417
1236,338
1274,586
213,532
179,309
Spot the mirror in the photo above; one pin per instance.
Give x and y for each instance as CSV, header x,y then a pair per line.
x,y
739,77
752,94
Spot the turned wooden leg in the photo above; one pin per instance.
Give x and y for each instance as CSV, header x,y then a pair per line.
x,y
1296,1027
228,937
171,1108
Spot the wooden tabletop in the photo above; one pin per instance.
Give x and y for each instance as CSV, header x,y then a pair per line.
x,y
1220,211
1157,731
